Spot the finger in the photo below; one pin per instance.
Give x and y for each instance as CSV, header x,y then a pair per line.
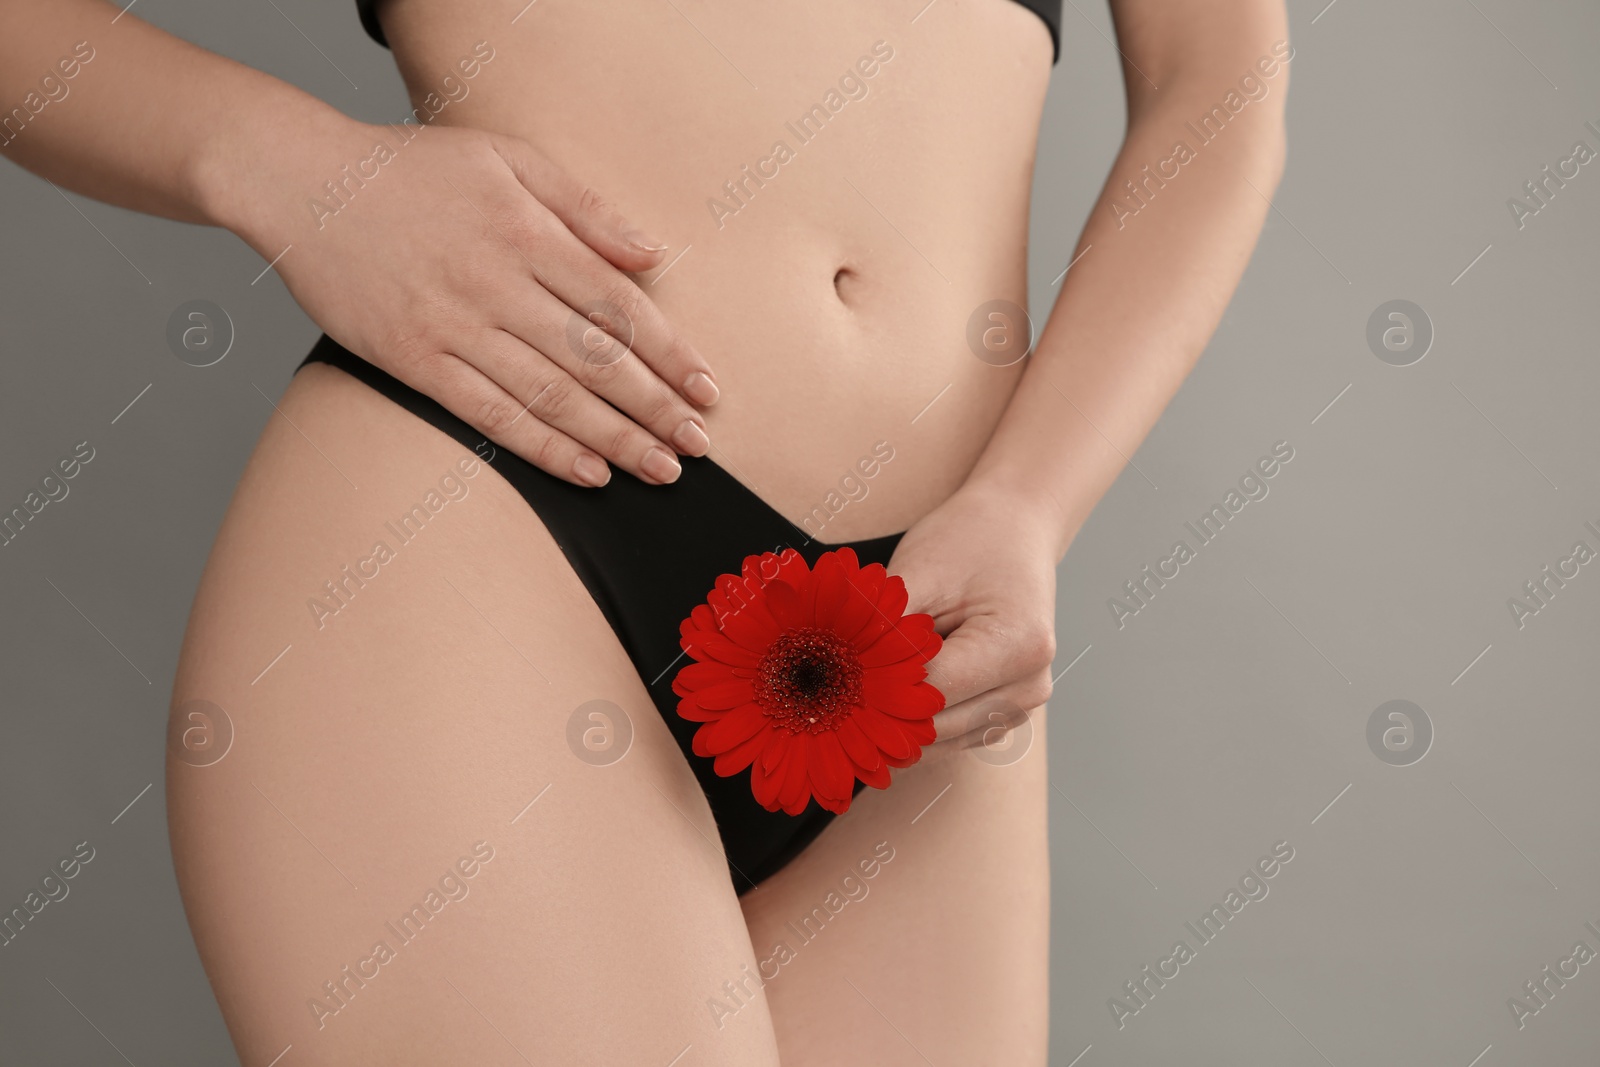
x,y
983,654
549,394
586,283
999,710
606,366
486,407
592,218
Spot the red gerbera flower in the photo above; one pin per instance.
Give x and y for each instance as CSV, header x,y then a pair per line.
x,y
810,678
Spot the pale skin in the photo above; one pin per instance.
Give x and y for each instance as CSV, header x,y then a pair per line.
x,y
429,713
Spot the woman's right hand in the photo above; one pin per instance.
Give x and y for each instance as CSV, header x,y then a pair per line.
x,y
473,269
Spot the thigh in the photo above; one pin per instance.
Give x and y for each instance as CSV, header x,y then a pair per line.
x,y
407,853
916,928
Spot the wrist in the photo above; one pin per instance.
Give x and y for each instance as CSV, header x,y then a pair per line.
x,y
254,178
1029,510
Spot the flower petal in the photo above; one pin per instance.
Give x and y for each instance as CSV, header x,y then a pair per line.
x,y
796,790
783,603
905,672
773,755
921,731
888,734
763,785
862,603
804,580
878,779
792,567
688,709
832,774
837,807
910,637
916,754
700,675
715,647
833,587
892,600
760,569
891,606
899,690
744,617
911,703
862,752
701,618
740,756
730,731
726,695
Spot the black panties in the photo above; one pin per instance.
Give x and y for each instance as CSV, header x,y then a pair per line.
x,y
648,554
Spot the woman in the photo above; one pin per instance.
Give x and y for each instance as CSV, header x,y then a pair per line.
x,y
781,243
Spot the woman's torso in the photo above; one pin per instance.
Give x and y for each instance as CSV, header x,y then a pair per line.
x,y
439,696
907,146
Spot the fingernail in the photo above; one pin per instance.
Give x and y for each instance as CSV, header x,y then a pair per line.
x,y
701,389
691,439
591,471
660,465
644,242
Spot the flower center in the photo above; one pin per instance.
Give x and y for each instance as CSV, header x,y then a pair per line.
x,y
809,680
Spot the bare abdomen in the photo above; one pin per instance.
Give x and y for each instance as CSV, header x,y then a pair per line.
x,y
841,187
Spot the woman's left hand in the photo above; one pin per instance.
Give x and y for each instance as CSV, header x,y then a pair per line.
x,y
984,566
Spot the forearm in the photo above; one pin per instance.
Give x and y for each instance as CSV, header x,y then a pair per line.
x,y
1134,313
113,108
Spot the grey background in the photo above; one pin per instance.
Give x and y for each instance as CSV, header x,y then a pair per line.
x,y
1224,717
